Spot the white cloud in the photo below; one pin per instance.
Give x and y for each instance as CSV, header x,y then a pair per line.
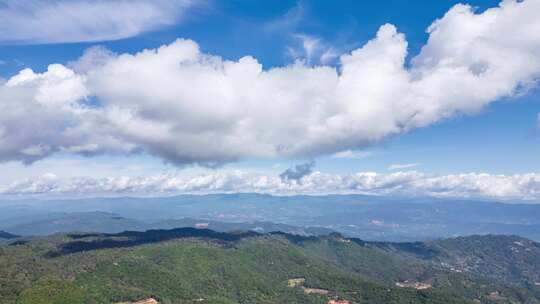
x,y
185,106
468,185
402,166
94,56
56,21
312,50
352,154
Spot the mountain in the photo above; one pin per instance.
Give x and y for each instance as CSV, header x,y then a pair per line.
x,y
188,265
7,235
80,221
372,218
105,222
229,227
506,258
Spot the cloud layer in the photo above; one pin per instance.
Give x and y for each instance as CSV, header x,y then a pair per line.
x,y
471,185
185,106
55,21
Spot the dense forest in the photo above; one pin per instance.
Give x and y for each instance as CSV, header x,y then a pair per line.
x,y
190,265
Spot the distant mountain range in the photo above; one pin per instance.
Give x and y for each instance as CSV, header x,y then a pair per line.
x,y
189,265
111,223
367,217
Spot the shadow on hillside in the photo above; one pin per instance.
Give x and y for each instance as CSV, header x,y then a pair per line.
x,y
136,238
417,249
294,238
8,236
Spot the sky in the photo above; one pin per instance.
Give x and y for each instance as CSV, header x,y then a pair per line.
x,y
436,98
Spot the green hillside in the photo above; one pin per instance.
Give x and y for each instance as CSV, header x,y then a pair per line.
x,y
201,266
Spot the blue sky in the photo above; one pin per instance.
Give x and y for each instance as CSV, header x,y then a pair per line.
x,y
500,138
233,29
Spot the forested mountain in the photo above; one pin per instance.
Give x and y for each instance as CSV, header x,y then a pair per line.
x,y
188,265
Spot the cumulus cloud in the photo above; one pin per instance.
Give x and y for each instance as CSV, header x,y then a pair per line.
x,y
469,185
93,56
185,106
298,171
56,21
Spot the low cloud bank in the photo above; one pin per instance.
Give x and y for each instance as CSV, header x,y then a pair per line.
x,y
519,187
